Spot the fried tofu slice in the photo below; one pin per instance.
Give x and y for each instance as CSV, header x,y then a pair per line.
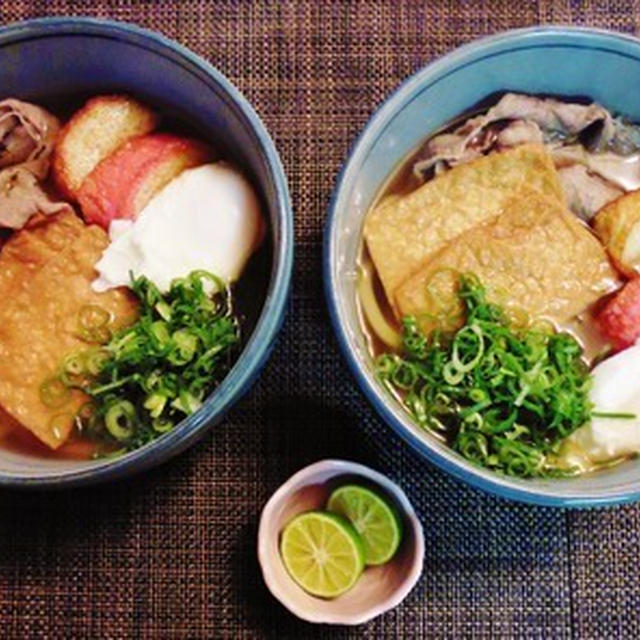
x,y
96,130
46,271
618,227
534,257
403,232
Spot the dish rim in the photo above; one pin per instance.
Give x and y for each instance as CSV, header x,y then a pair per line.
x,y
448,461
261,342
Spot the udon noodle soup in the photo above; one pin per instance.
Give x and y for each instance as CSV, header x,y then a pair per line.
x,y
131,269
499,287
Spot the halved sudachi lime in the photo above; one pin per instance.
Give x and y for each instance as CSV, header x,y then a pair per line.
x,y
373,517
323,553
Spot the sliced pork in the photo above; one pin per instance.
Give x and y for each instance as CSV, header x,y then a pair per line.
x,y
27,136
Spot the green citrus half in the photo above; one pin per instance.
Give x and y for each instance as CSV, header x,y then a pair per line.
x,y
373,517
322,552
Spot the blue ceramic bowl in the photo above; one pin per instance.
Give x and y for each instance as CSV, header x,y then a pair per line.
x,y
556,60
66,59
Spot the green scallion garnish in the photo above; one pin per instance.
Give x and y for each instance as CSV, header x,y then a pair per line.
x,y
149,376
503,396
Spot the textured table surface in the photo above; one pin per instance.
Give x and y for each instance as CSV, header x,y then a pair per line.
x,y
172,553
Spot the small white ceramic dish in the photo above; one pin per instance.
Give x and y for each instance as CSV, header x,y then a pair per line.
x,y
379,588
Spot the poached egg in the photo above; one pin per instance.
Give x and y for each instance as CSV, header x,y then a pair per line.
x,y
207,218
616,389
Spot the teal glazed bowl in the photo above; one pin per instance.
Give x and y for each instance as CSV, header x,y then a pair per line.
x,y
54,60
555,60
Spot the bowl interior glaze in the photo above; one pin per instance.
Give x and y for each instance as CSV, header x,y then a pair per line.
x,y
554,60
55,61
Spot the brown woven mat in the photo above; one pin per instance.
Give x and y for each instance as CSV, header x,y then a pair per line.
x,y
172,553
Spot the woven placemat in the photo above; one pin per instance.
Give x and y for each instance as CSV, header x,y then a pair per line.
x,y
171,553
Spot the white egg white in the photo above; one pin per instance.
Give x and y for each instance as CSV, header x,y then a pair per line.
x,y
616,389
206,218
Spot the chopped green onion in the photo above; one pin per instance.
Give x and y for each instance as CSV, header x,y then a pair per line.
x,y
155,404
162,425
186,346
92,316
451,374
160,331
73,368
110,455
164,310
187,403
471,340
95,335
73,364
120,420
95,360
612,414
504,394
147,376
200,276
54,393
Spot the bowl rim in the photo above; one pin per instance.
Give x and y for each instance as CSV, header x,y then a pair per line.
x,y
346,467
450,462
261,342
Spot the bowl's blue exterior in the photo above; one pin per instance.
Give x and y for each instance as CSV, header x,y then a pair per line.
x,y
47,58
568,61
